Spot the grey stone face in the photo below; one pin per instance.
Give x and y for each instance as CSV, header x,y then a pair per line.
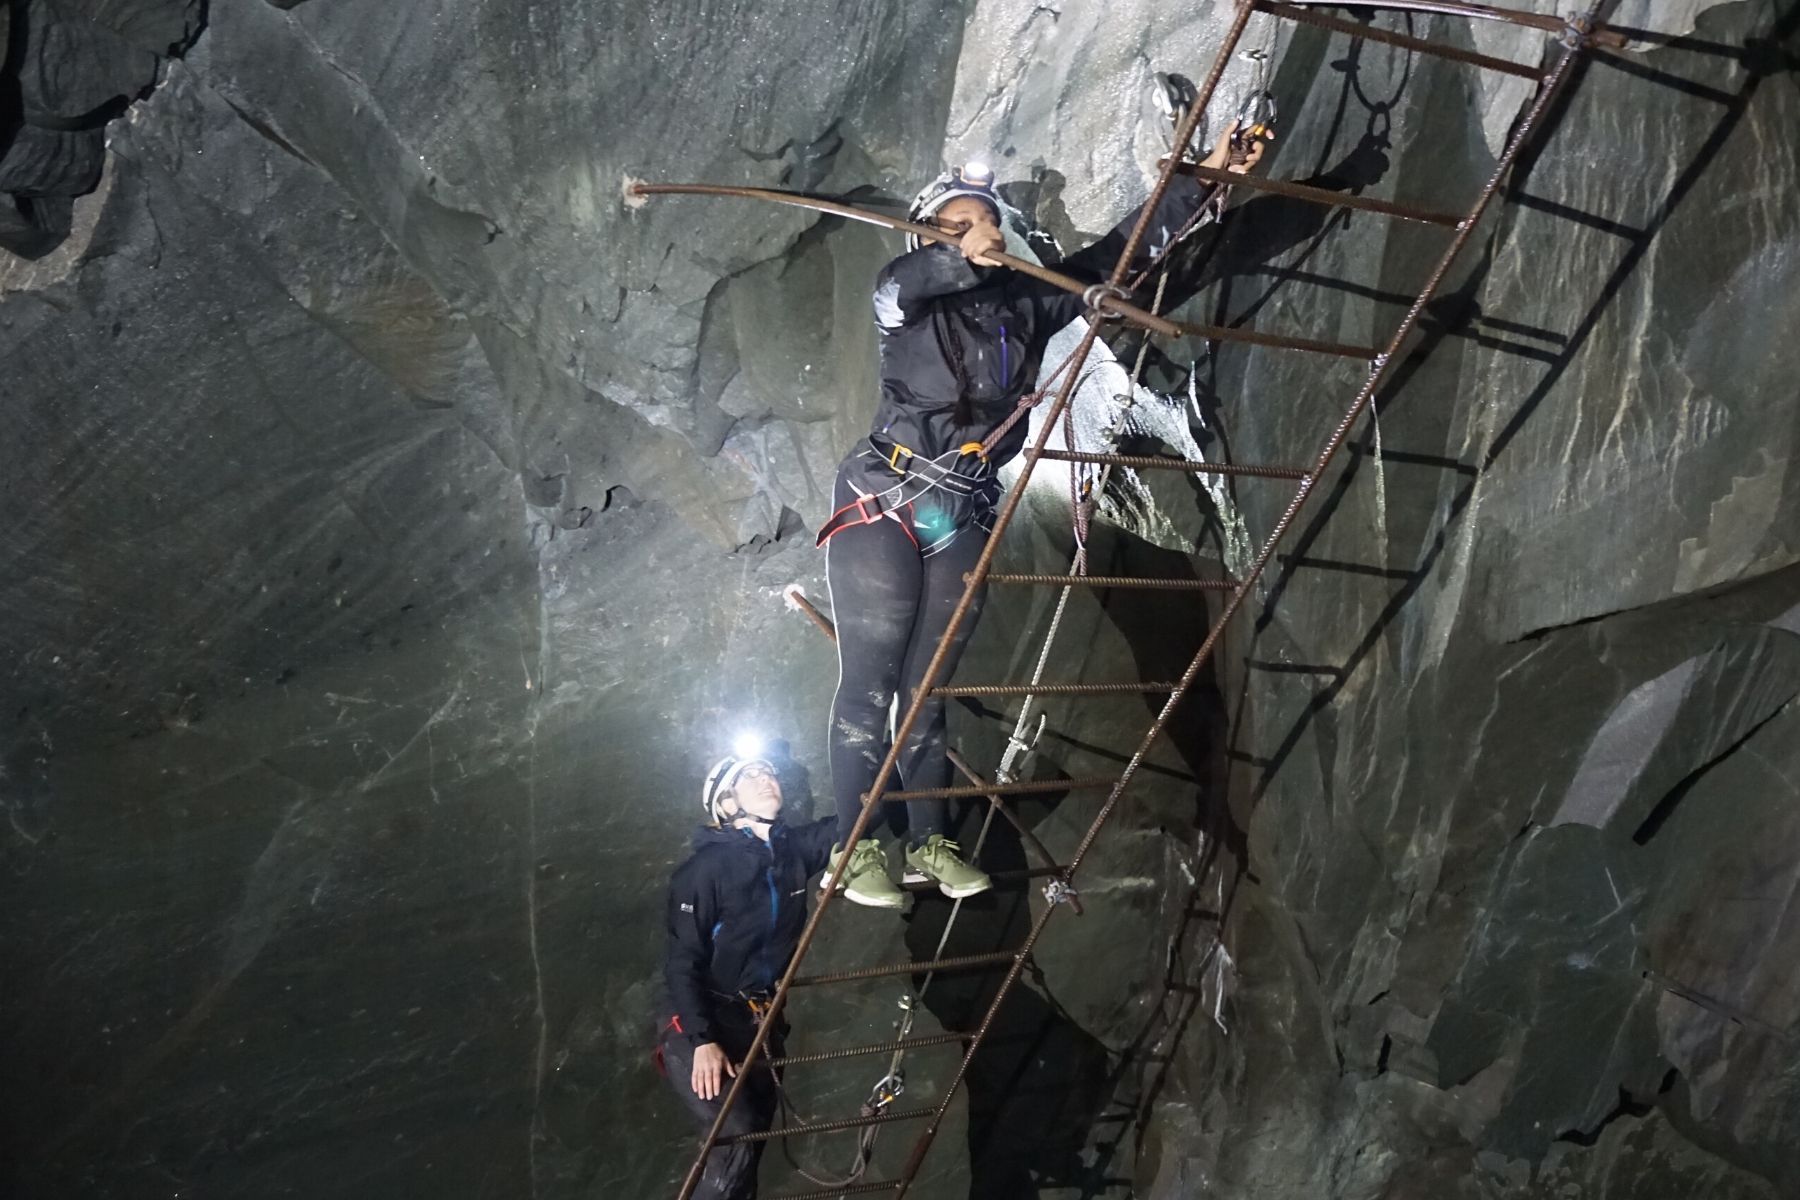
x,y
396,525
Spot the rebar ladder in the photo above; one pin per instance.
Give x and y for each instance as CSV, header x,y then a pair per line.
x,y
1576,36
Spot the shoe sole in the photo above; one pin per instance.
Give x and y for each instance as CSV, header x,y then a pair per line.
x,y
866,900
955,893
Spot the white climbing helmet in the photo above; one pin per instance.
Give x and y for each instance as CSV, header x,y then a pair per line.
x,y
722,778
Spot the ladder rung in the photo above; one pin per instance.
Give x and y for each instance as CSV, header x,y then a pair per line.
x,y
1028,788
1118,581
1368,33
1277,341
963,962
853,1189
1313,195
880,1118
1163,462
935,1039
1051,689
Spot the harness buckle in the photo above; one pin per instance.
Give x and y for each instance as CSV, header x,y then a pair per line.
x,y
869,509
893,459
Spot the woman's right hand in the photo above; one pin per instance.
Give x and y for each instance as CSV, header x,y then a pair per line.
x,y
710,1068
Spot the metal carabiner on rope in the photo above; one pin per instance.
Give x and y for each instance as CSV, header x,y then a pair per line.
x,y
887,1089
1096,293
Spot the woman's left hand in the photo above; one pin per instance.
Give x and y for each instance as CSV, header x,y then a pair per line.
x,y
1220,158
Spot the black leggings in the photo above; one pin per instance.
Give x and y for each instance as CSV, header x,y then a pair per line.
x,y
731,1169
892,605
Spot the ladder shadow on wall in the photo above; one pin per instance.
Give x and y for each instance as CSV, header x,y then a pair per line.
x,y
1457,315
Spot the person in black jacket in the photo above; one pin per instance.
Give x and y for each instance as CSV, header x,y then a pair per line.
x,y
736,908
961,343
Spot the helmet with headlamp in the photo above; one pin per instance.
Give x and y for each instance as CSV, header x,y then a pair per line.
x,y
722,779
972,179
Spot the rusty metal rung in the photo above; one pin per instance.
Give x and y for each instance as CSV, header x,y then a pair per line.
x,y
1369,33
935,1039
961,962
1029,788
880,1118
1313,195
1164,462
1118,581
853,1189
1050,689
1278,341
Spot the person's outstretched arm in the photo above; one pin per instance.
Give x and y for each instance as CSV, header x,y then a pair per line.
x,y
1181,203
814,841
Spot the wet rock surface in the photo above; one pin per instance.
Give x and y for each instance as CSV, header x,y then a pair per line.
x,y
396,526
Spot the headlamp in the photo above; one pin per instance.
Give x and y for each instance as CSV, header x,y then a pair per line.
x,y
977,173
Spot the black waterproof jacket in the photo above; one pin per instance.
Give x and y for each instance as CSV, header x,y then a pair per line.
x,y
736,908
932,298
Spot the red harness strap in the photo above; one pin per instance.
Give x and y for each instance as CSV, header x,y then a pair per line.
x,y
656,1055
864,510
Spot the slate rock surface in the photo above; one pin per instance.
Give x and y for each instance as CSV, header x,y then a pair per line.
x,y
396,525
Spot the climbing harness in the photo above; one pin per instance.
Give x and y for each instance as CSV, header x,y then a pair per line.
x,y
962,477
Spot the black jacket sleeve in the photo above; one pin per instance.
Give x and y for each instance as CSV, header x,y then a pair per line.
x,y
1094,263
813,840
907,285
693,914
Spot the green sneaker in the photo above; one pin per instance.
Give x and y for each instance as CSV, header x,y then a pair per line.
x,y
866,879
939,861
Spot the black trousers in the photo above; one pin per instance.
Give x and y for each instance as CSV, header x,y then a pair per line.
x,y
730,1170
892,603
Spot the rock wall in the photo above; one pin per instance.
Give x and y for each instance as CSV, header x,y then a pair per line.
x,y
396,525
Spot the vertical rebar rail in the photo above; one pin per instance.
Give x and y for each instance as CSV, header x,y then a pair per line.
x,y
1578,35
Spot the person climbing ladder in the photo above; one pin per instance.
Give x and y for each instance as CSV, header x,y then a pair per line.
x,y
961,343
